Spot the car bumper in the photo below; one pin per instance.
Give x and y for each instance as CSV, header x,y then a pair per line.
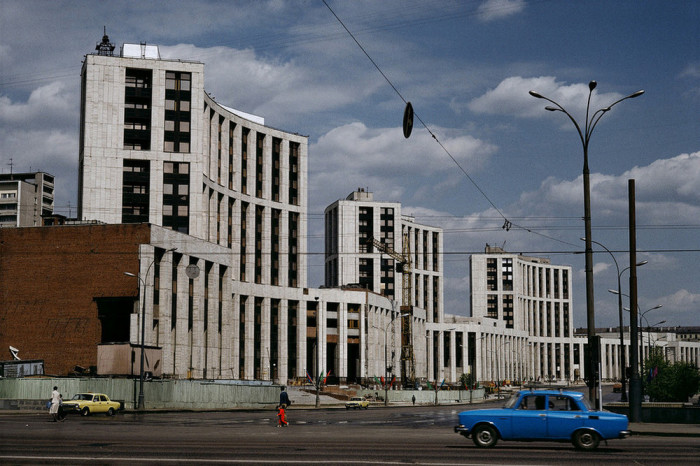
x,y
461,429
71,408
624,434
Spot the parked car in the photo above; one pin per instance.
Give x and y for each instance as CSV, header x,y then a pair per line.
x,y
88,403
531,415
357,402
617,387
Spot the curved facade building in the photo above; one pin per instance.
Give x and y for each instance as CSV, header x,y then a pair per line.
x,y
224,293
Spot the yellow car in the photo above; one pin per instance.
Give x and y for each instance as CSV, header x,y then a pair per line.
x,y
88,403
357,402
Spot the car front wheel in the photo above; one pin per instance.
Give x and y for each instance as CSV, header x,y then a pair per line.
x,y
484,436
586,440
85,412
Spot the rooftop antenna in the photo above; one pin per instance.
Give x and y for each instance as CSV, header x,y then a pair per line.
x,y
105,47
11,165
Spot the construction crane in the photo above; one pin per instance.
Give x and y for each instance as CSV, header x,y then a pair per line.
x,y
408,371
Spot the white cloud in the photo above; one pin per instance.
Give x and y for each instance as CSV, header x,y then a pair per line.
x,y
492,10
691,71
384,161
272,87
511,97
683,299
50,103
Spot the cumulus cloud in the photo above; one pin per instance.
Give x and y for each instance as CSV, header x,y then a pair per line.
x,y
383,159
511,97
52,103
492,10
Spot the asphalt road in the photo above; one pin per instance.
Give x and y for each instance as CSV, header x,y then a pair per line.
x,y
397,435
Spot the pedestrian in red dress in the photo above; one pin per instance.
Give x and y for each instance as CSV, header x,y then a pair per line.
x,y
281,417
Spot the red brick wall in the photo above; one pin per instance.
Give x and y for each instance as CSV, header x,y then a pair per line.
x,y
49,278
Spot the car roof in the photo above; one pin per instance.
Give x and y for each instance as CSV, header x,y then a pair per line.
x,y
570,393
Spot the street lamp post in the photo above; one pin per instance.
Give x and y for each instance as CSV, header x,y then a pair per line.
x,y
641,336
141,404
585,137
623,356
649,327
316,349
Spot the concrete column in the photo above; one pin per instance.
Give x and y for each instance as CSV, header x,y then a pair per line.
x,y
249,358
301,339
165,328
283,343
265,335
343,341
198,337
234,333
212,335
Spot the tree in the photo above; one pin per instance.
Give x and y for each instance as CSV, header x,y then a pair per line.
x,y
467,380
664,381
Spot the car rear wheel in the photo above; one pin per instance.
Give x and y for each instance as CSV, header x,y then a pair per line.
x,y
110,412
484,436
586,440
85,412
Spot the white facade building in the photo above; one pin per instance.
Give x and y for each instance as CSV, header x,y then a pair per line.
x,y
223,277
229,297
352,260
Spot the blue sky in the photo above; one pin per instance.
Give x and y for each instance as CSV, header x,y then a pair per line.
x,y
467,67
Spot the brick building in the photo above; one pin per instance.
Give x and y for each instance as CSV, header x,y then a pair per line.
x,y
40,318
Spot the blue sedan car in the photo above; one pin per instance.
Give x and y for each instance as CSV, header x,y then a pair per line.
x,y
557,415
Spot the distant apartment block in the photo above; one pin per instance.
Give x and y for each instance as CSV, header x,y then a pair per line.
x,y
25,198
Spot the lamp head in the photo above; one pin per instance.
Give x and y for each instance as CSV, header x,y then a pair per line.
x,y
592,85
636,94
537,95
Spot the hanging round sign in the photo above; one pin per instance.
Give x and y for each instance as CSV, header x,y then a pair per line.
x,y
407,120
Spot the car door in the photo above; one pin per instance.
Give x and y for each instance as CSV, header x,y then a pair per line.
x,y
563,417
529,419
99,404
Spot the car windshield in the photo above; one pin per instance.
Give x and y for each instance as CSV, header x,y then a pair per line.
x,y
511,401
586,405
82,397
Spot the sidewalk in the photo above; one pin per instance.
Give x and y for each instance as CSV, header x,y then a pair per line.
x,y
665,430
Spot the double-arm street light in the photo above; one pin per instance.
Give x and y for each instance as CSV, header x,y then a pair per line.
x,y
585,137
649,327
623,356
143,326
640,329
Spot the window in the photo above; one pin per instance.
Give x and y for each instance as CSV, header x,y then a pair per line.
x,y
135,188
177,112
137,109
176,185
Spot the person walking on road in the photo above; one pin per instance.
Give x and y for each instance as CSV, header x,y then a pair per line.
x,y
284,398
55,404
282,417
282,408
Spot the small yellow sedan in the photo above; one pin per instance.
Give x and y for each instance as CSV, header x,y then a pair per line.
x,y
357,402
88,403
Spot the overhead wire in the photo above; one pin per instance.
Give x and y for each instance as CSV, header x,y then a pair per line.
x,y
507,225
